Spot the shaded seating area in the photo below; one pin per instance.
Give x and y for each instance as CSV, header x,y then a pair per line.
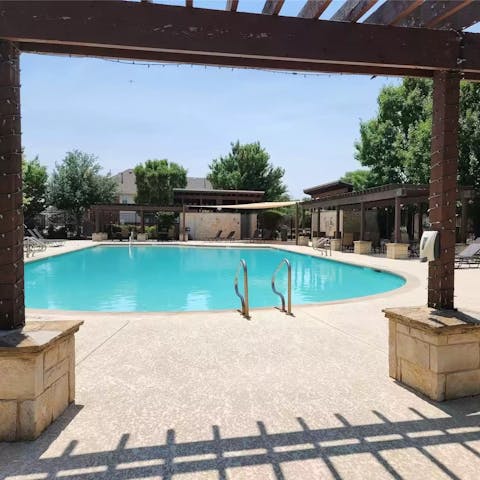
x,y
402,208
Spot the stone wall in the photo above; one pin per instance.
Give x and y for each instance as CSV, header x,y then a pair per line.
x,y
205,225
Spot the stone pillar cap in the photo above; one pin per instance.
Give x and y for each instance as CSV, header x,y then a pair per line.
x,y
435,321
36,336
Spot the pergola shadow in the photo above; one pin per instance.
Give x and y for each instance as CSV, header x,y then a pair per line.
x,y
218,454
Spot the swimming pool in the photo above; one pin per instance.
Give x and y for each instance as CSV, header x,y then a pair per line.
x,y
177,278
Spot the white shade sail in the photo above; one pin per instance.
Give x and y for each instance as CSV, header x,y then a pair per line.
x,y
252,206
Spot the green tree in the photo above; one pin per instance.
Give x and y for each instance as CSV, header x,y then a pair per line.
x,y
247,167
396,144
156,180
35,179
361,179
76,184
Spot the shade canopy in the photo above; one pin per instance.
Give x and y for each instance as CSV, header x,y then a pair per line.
x,y
253,206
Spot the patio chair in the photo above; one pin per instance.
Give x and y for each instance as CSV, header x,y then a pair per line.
x,y
230,236
469,257
217,236
34,233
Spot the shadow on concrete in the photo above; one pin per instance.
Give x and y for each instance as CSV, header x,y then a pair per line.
x,y
460,427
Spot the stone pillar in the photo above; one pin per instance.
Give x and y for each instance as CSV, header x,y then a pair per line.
x,y
12,304
362,247
443,186
37,380
435,353
398,251
336,244
319,210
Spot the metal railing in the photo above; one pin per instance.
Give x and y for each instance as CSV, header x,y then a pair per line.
x,y
245,311
288,311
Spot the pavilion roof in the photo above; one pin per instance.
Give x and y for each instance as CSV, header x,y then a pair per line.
x,y
380,196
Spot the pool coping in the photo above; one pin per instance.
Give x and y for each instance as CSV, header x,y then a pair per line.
x,y
411,281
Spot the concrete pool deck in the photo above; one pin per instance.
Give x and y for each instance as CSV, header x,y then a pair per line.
x,y
214,396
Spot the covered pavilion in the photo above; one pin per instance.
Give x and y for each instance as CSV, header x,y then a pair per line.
x,y
392,195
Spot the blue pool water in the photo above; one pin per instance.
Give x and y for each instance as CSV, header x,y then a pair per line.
x,y
149,278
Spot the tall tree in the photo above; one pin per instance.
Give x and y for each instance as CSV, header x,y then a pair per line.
x,y
396,144
76,184
360,179
35,179
247,167
156,180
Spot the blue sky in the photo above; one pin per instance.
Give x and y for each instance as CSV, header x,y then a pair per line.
x,y
126,113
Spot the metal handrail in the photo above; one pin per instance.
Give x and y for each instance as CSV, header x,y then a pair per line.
x,y
288,311
245,311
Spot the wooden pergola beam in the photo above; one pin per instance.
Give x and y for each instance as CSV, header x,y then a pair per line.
x,y
178,31
272,7
464,18
314,8
352,10
392,12
225,61
432,12
231,5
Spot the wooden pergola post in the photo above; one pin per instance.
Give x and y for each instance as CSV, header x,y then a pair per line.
x,y
12,305
398,221
97,220
420,221
296,223
443,186
184,238
362,221
319,210
463,219
337,223
142,221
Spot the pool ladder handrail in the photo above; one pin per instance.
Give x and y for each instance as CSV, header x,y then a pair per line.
x,y
245,311
288,311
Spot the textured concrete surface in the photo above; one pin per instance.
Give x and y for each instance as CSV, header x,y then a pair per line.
x,y
215,396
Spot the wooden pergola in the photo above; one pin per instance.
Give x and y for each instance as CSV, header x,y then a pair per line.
x,y
384,44
392,195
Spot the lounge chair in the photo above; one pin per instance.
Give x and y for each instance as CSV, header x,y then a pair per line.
x,y
322,244
257,235
47,241
230,236
217,236
469,257
31,245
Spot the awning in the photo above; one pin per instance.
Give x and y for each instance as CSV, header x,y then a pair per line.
x,y
252,206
